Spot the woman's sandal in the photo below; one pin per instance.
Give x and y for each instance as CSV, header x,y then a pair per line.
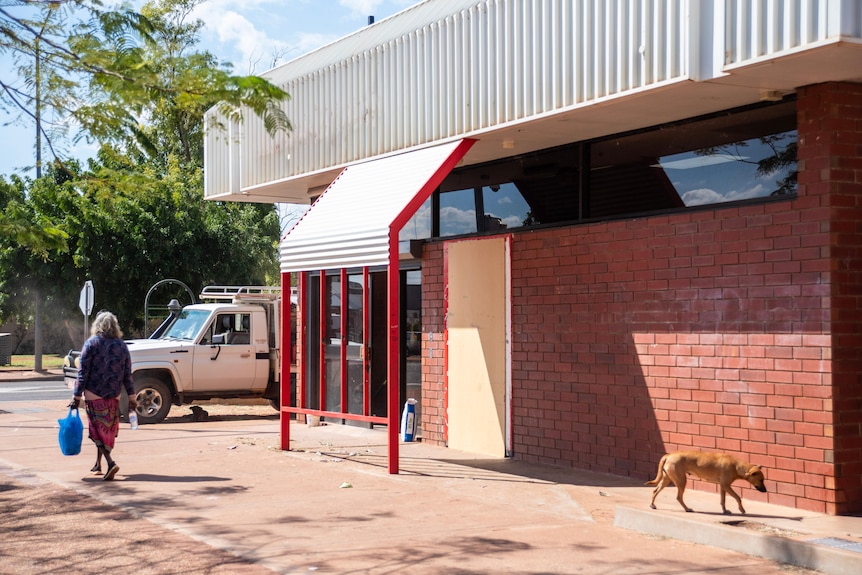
x,y
111,472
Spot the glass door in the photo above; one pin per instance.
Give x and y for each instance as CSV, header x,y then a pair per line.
x,y
311,347
357,367
411,336
333,344
347,342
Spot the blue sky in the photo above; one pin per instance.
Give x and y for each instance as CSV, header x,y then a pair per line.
x,y
248,33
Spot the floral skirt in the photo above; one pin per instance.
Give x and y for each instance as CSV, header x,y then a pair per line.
x,y
104,416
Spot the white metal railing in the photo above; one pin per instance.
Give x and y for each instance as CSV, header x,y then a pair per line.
x,y
236,293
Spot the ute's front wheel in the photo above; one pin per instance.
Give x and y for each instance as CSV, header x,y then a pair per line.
x,y
154,400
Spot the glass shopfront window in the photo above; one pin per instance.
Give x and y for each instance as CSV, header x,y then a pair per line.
x,y
741,155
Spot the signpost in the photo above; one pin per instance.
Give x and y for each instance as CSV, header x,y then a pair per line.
x,y
85,302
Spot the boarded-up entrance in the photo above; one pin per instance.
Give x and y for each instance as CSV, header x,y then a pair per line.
x,y
477,324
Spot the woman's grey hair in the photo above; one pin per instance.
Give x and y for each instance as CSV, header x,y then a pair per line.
x,y
106,325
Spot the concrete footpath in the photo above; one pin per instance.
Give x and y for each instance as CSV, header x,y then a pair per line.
x,y
329,505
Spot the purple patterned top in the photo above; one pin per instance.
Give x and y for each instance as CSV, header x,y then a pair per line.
x,y
106,367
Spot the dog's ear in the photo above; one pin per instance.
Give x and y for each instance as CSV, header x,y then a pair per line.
x,y
753,469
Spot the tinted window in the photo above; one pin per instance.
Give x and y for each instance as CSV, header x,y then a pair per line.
x,y
458,212
505,207
731,157
417,228
740,155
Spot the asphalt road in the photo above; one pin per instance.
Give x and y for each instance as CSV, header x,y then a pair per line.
x,y
34,391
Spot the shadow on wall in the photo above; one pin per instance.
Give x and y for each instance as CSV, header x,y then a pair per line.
x,y
650,336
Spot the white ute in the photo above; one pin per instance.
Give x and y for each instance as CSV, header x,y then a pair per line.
x,y
227,348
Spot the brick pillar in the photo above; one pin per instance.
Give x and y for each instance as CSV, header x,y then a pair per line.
x,y
433,346
830,168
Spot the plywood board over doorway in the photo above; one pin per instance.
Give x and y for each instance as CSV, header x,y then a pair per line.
x,y
477,348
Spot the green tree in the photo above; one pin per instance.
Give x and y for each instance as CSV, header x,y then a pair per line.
x,y
197,81
143,228
109,71
125,227
28,273
119,76
135,214
30,231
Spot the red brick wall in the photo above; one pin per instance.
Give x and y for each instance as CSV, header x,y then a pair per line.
x,y
830,165
701,330
710,330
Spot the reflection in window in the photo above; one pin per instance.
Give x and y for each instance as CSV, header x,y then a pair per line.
x,y
501,207
733,156
355,302
187,325
417,227
334,342
505,207
313,343
355,342
753,168
730,157
333,331
458,213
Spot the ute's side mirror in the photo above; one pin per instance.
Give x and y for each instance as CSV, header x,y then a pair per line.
x,y
218,339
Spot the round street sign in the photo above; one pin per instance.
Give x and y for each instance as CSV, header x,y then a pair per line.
x,y
86,300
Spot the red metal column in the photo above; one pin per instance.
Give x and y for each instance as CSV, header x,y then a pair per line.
x,y
301,342
345,311
284,361
393,383
366,332
325,303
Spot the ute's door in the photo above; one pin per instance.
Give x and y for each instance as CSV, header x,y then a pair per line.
x,y
224,360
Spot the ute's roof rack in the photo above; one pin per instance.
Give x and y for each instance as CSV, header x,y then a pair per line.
x,y
234,293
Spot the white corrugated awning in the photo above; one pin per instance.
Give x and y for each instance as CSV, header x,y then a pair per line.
x,y
351,223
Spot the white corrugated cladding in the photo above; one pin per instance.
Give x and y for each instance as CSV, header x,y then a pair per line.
x,y
453,68
446,69
221,153
759,29
349,224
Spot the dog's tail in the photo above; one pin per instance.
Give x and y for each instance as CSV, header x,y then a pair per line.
x,y
660,472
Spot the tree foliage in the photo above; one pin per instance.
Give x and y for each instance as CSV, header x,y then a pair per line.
x,y
135,214
116,75
128,235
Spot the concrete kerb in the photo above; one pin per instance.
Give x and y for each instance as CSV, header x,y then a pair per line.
x,y
17,376
831,561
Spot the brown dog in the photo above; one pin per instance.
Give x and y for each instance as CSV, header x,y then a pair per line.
x,y
714,467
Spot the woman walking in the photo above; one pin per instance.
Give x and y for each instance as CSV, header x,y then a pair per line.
x,y
106,367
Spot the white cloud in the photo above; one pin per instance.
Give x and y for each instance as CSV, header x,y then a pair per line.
x,y
255,48
457,221
308,41
361,7
701,197
704,196
513,221
255,35
419,225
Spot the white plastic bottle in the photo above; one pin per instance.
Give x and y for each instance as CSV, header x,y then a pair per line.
x,y
133,419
